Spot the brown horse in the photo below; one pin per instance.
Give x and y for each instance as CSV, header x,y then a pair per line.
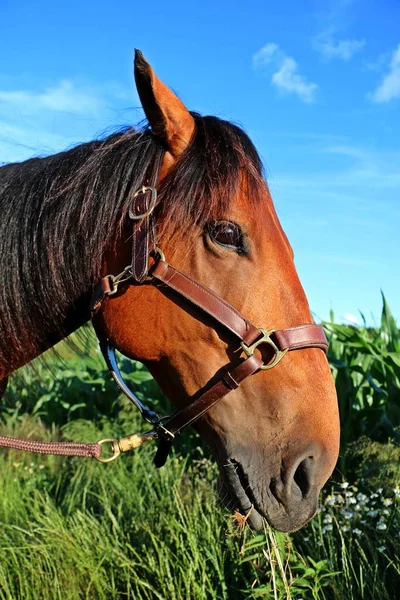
x,y
65,223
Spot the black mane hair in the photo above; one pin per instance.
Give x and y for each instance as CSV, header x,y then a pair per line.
x,y
60,214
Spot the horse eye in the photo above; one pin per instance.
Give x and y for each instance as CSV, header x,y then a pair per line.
x,y
227,234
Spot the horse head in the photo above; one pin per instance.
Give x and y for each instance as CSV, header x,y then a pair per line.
x,y
276,437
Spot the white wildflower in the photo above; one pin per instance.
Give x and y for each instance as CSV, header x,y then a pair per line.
x,y
358,532
381,526
362,498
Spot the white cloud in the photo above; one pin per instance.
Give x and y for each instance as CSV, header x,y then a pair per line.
x,y
65,97
372,170
389,87
342,49
286,78
47,120
289,80
265,55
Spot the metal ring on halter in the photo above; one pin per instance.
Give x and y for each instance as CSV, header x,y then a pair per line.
x,y
265,339
158,254
115,280
152,205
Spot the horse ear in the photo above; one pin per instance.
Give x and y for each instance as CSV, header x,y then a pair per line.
x,y
169,119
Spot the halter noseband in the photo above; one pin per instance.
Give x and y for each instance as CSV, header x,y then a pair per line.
x,y
252,340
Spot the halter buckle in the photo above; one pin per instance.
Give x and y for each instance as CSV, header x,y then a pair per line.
x,y
153,200
265,339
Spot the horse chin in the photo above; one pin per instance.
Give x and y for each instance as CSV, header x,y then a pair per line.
x,y
236,494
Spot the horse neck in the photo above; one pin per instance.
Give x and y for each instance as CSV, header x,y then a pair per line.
x,y
46,296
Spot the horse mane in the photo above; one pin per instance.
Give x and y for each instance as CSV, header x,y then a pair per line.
x,y
60,214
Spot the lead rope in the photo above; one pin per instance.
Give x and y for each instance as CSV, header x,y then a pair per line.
x,y
58,448
85,450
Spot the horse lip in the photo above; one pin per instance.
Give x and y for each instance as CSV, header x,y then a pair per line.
x,y
239,498
234,479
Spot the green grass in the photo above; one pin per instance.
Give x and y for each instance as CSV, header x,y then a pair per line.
x,y
72,528
77,529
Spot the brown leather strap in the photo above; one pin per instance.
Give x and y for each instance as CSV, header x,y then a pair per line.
x,y
59,448
207,300
294,338
202,404
102,289
302,336
228,382
144,203
141,238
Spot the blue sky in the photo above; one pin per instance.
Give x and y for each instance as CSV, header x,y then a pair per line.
x,y
315,83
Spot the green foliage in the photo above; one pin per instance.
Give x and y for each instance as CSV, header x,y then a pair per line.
x,y
281,572
74,387
366,368
375,464
357,534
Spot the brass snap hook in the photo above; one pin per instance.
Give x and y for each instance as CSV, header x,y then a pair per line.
x,y
123,445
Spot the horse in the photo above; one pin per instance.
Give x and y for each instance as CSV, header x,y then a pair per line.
x,y
68,221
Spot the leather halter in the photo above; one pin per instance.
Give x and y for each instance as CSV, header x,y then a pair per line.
x,y
254,342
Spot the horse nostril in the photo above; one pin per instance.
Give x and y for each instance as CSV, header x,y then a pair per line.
x,y
303,475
